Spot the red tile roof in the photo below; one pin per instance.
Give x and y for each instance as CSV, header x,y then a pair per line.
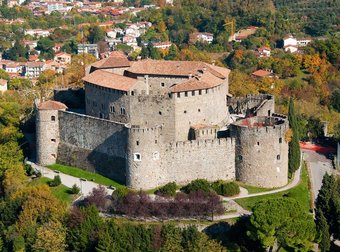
x,y
51,105
176,68
109,80
261,73
114,61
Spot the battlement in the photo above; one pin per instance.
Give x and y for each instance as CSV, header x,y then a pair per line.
x,y
136,129
202,143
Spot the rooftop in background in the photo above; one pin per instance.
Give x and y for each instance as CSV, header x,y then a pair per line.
x,y
109,80
261,73
51,105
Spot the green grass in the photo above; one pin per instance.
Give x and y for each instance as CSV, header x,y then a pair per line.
x,y
61,192
79,173
254,189
300,193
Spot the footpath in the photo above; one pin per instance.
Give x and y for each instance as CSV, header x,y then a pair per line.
x,y
87,187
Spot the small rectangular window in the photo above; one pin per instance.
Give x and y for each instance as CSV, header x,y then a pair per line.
x,y
137,157
178,95
52,118
53,140
200,92
278,157
193,93
162,84
186,94
280,140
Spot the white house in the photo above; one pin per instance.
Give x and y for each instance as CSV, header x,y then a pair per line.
x,y
162,45
3,85
303,41
34,69
263,51
129,40
62,57
205,37
37,32
54,6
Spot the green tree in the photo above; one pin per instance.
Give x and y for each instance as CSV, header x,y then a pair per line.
x,y
4,75
323,230
294,147
335,100
45,45
96,34
282,223
172,54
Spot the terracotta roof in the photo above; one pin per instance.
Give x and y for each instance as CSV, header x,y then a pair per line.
x,y
175,68
62,53
52,105
207,80
264,48
3,82
261,73
116,60
109,80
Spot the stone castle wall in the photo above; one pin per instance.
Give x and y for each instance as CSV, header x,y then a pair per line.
x,y
94,144
261,153
208,159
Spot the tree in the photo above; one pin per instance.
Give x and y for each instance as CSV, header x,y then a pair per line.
x,y
172,54
323,230
282,223
4,75
45,45
335,100
96,34
294,147
50,237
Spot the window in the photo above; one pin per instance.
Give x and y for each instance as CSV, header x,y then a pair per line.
x,y
53,140
193,93
280,140
240,158
122,111
258,143
137,142
206,91
160,112
178,95
278,157
52,118
137,157
155,141
53,155
200,92
101,115
162,84
132,93
185,111
155,155
186,94
112,109
199,110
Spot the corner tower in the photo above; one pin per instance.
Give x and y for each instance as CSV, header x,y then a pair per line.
x,y
261,151
47,131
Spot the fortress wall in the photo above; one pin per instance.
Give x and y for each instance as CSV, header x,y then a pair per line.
x,y
261,155
152,110
106,103
206,106
71,97
183,162
93,144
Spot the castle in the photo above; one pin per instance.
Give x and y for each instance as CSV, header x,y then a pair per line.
x,y
150,122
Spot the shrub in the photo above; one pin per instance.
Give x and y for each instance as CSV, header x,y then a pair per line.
x,y
120,192
167,190
225,188
55,182
97,198
29,170
197,185
75,189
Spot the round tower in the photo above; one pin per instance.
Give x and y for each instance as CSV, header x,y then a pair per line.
x,y
144,158
47,131
261,152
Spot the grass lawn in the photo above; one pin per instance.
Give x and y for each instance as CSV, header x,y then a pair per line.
x,y
61,192
300,193
253,189
80,173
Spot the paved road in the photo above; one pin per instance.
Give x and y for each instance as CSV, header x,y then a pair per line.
x,y
67,180
318,165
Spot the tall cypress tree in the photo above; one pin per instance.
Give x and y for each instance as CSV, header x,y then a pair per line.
x,y
294,147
